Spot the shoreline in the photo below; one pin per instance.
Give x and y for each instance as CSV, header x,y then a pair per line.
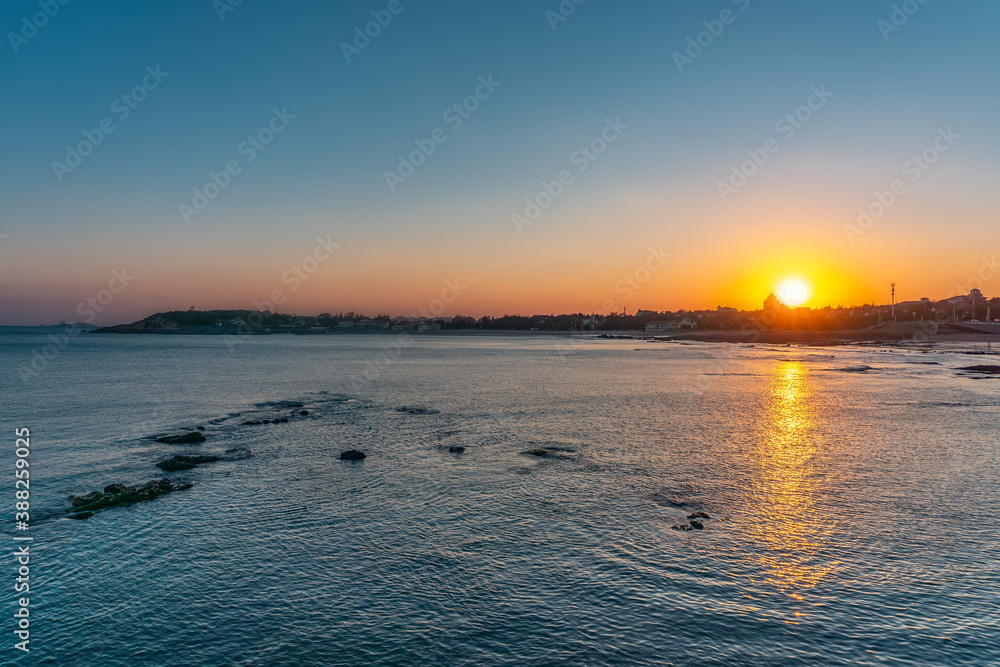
x,y
909,337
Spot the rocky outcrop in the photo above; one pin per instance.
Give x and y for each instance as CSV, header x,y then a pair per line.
x,y
456,449
352,455
184,462
117,495
693,523
184,439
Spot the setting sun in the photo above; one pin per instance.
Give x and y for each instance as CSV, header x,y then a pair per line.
x,y
793,292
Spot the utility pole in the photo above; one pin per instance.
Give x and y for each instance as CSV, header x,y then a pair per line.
x,y
893,302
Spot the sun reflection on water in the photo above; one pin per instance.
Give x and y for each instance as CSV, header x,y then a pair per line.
x,y
787,523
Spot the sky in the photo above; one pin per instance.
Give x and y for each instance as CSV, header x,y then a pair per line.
x,y
602,156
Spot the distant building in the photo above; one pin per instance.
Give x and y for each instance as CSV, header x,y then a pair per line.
x,y
773,303
664,325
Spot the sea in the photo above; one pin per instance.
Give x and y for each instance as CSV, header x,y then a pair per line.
x,y
851,495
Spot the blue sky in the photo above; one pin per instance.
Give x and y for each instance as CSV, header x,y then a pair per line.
x,y
325,173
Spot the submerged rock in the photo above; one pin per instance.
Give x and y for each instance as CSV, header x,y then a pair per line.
x,y
81,515
184,462
682,526
456,449
418,410
699,515
237,454
352,455
546,451
697,525
304,413
127,495
184,439
989,370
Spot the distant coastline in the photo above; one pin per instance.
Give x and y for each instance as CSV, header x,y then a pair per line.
x,y
254,323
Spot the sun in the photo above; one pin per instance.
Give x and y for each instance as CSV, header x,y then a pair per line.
x,y
793,292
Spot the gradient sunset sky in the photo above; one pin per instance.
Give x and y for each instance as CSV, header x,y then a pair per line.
x,y
892,94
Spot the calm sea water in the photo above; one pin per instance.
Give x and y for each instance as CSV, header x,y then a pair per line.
x,y
855,515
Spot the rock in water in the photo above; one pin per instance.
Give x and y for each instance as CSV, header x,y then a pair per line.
x,y
184,462
80,501
352,455
697,525
699,515
185,439
81,515
417,410
127,495
681,526
990,370
536,452
304,413
238,453
456,450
